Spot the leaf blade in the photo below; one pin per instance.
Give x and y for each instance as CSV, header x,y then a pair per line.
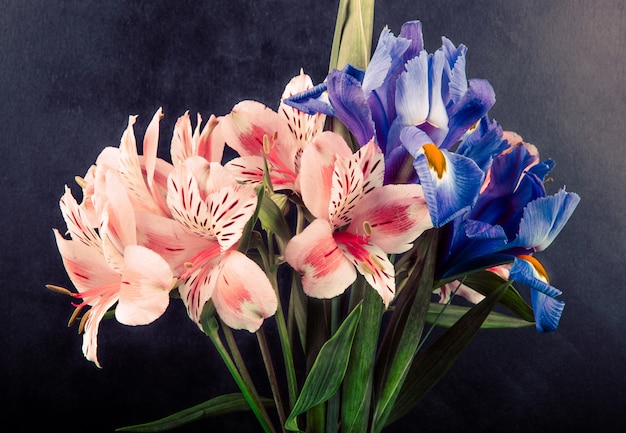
x,y
328,369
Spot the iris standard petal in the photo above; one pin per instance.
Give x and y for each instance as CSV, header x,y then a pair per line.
x,y
475,103
412,92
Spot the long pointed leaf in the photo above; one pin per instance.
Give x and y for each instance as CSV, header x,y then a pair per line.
x,y
328,371
435,361
405,329
220,405
447,315
358,383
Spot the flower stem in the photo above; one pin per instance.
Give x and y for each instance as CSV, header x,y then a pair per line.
x,y
246,387
271,374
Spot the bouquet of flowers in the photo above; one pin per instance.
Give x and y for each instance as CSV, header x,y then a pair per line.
x,y
352,219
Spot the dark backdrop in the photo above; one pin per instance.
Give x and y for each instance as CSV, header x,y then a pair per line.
x,y
72,71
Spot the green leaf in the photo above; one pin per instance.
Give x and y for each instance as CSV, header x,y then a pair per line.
x,y
487,282
447,315
328,369
356,395
405,328
220,405
435,361
352,41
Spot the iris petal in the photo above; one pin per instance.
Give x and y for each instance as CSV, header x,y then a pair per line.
x,y
347,98
544,218
451,183
476,102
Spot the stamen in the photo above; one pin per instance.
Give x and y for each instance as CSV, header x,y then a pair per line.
x,y
61,290
80,182
267,147
367,228
74,316
81,326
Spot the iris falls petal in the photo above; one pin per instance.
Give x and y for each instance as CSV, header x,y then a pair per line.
x,y
451,182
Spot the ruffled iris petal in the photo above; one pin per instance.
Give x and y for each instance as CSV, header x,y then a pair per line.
x,y
484,144
475,103
547,311
544,218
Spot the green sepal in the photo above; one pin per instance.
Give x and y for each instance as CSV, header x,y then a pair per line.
x,y
327,371
220,405
433,363
447,315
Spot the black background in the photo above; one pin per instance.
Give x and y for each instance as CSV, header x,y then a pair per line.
x,y
72,71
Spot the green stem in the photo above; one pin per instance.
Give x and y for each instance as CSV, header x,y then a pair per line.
x,y
247,389
271,374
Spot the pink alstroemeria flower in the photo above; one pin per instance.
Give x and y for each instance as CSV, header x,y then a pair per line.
x,y
108,267
256,131
210,210
358,220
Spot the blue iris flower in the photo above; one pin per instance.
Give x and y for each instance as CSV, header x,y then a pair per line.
x,y
485,194
417,106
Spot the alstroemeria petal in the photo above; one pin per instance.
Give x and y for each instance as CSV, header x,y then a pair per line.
x,y
316,172
395,215
303,126
243,295
314,253
247,169
544,218
451,182
199,285
373,264
346,189
85,264
245,127
146,282
97,312
77,221
117,225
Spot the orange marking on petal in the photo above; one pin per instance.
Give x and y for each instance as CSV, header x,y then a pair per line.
x,y
537,265
435,158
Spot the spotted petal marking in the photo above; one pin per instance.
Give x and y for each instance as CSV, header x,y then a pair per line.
x,y
371,262
130,170
229,211
77,221
198,287
303,126
346,189
371,161
186,202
